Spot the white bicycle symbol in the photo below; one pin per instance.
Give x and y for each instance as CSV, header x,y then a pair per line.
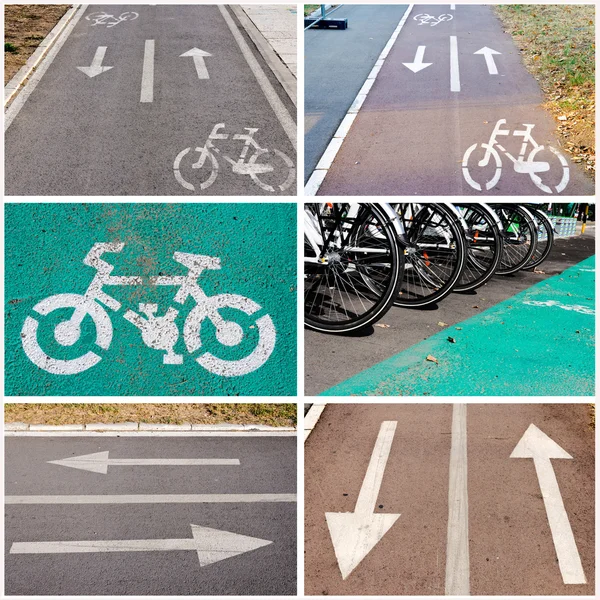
x,y
426,19
103,18
520,164
259,163
159,333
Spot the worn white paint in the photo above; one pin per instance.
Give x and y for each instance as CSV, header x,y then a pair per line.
x,y
104,18
488,54
457,543
98,462
96,67
454,69
159,333
236,433
583,310
537,445
147,91
211,545
355,534
151,498
418,64
427,19
198,56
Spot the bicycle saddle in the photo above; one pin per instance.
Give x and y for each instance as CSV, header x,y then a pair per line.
x,y
197,262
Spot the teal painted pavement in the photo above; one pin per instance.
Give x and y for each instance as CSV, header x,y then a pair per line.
x,y
537,343
239,321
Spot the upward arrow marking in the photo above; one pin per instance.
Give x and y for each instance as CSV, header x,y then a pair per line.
x,y
537,445
488,53
355,534
198,56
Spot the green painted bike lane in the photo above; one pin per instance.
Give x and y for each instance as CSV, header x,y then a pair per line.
x,y
247,278
537,343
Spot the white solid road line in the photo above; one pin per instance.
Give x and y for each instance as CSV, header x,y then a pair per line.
x,y
537,445
288,124
454,70
239,434
355,534
211,545
147,92
98,462
318,175
19,101
457,545
312,416
151,499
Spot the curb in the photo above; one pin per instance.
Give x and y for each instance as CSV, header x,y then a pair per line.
x,y
278,67
14,85
315,14
318,175
311,418
130,426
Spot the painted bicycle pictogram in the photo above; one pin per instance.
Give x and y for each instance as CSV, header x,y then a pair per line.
x,y
159,333
427,19
271,170
104,18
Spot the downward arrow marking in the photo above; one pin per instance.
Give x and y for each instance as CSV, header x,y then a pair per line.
x,y
537,445
355,534
96,67
418,63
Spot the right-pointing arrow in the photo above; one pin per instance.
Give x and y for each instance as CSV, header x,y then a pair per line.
x,y
211,545
537,445
418,64
355,534
488,53
96,67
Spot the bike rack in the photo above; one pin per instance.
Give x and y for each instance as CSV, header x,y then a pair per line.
x,y
324,23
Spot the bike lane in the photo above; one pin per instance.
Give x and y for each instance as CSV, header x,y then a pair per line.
x,y
45,248
120,131
506,541
537,343
417,123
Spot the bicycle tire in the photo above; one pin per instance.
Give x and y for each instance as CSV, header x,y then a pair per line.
x,y
516,217
433,264
339,280
539,256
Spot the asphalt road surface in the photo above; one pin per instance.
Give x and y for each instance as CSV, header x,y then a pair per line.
x,y
452,82
332,359
152,87
336,66
399,467
198,562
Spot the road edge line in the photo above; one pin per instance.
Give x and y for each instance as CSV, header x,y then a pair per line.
x,y
14,85
278,67
27,89
281,112
323,165
312,416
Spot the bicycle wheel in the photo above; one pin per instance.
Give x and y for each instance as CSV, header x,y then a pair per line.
x,y
545,238
347,245
435,253
484,247
520,237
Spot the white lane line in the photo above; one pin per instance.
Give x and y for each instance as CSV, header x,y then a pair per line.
x,y
211,545
323,165
311,418
152,499
147,93
457,546
240,434
354,535
19,101
288,124
452,6
454,71
537,445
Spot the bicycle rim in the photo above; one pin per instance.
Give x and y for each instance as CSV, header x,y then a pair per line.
x,y
520,237
545,239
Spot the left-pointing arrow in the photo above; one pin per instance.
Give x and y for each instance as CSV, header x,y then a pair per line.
x,y
99,461
96,67
212,545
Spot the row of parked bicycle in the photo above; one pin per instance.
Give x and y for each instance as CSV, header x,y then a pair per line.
x,y
360,259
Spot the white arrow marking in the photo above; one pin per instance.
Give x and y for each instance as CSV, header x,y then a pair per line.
x,y
418,64
211,545
355,534
96,67
488,53
454,70
198,56
99,461
537,445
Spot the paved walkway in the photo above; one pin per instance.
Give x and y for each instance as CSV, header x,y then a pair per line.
x,y
539,342
278,24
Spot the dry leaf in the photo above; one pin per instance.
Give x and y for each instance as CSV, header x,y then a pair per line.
x,y
451,340
432,359
459,328
476,306
442,324
383,325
